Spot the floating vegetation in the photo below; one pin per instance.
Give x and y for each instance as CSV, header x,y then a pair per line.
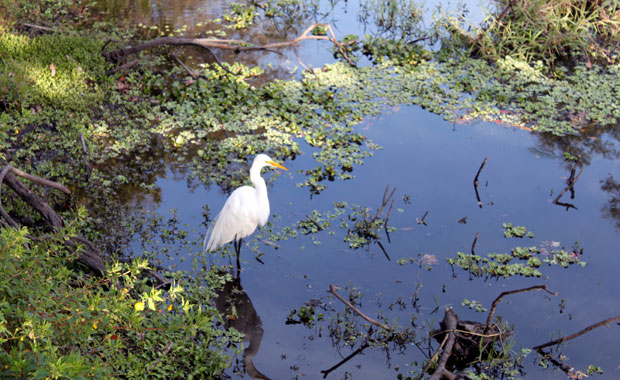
x,y
516,231
521,261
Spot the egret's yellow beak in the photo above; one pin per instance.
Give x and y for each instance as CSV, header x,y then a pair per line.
x,y
276,165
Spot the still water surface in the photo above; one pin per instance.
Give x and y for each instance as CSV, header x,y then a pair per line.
x,y
434,163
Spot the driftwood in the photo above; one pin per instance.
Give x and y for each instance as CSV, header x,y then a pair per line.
x,y
89,254
233,45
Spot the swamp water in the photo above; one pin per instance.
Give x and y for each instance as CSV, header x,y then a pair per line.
x,y
432,164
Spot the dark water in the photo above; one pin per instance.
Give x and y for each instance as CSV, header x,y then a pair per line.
x,y
433,162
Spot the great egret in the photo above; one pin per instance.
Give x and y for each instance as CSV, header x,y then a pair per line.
x,y
245,209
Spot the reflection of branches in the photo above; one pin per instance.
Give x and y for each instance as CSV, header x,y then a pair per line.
x,y
612,209
368,228
570,186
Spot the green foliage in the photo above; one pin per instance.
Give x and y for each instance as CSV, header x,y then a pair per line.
x,y
58,323
60,13
516,231
522,261
50,70
240,16
474,305
306,315
554,31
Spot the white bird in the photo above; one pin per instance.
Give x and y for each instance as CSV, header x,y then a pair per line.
x,y
245,209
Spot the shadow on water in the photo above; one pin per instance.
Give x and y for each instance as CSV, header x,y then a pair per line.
x,y
236,307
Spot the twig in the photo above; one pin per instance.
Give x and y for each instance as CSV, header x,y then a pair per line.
x,y
386,200
421,221
577,334
385,224
496,302
314,222
85,151
479,170
332,290
183,65
39,180
33,26
476,181
124,66
473,245
326,372
433,359
166,350
4,214
383,249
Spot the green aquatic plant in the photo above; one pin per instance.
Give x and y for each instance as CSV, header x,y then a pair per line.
x,y
516,231
521,261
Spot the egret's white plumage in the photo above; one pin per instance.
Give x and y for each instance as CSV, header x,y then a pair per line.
x,y
245,209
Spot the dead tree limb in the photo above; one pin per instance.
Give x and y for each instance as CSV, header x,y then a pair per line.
x,y
333,290
226,44
326,372
606,322
183,65
448,325
503,294
90,257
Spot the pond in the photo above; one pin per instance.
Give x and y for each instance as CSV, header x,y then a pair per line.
x,y
432,164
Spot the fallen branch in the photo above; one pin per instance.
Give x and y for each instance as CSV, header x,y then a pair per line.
x,y
39,27
225,44
332,290
326,372
183,65
503,294
433,358
605,322
90,257
448,326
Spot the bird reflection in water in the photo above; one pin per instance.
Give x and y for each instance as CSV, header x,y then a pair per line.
x,y
238,312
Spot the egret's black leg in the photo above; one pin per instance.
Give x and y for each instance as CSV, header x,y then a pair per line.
x,y
238,251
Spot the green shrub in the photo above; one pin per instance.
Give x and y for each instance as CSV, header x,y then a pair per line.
x,y
58,323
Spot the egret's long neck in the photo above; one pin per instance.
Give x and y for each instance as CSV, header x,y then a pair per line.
x,y
261,194
258,181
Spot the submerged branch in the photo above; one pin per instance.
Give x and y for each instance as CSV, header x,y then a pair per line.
x,y
605,322
332,290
